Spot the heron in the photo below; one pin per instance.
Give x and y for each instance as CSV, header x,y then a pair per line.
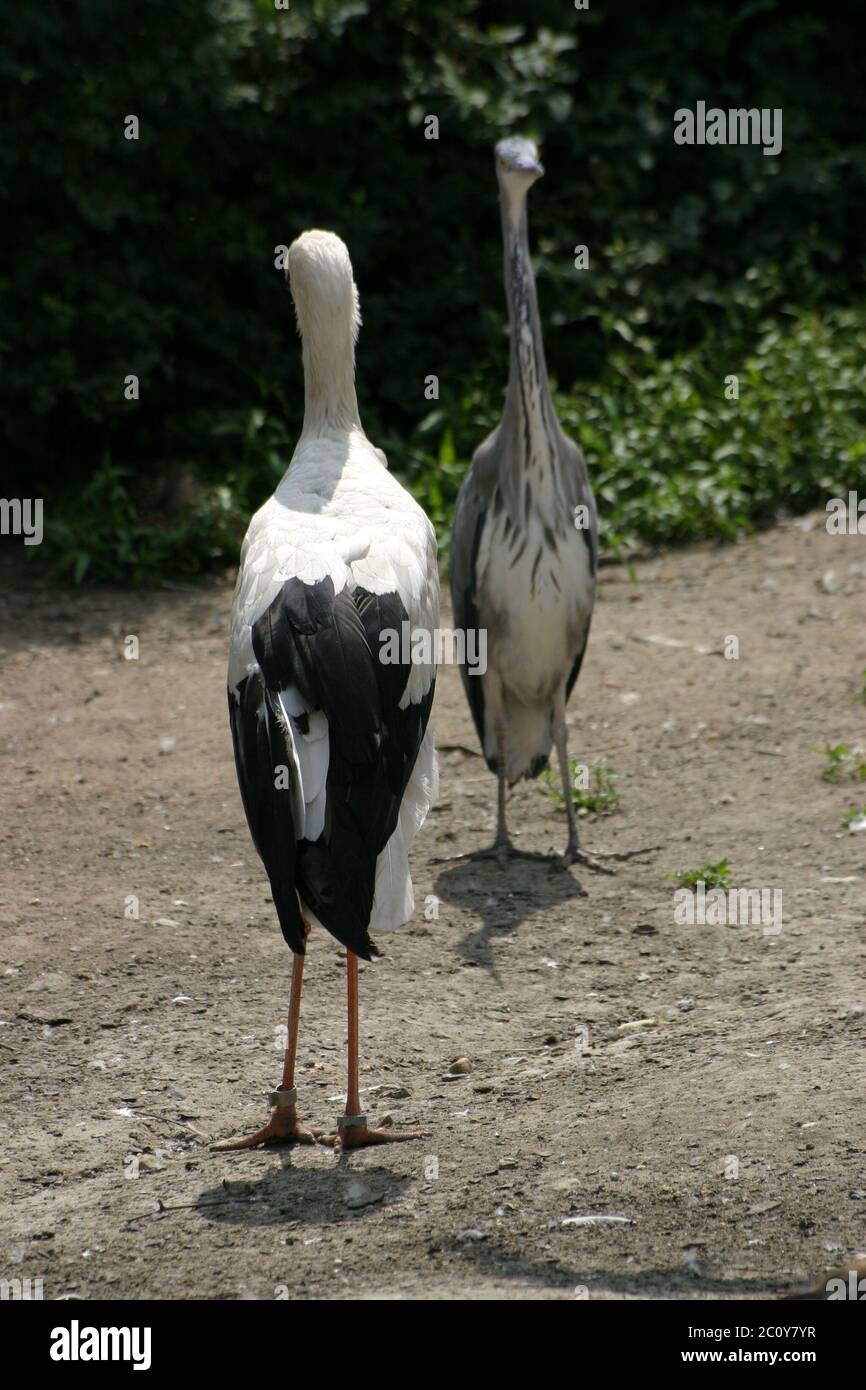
x,y
334,756
524,552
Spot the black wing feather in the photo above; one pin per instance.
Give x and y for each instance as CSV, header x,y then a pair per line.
x,y
260,748
328,646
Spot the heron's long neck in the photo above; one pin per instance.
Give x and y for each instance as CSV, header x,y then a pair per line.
x,y
330,403
528,404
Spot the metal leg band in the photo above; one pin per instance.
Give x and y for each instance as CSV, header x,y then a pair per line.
x,y
283,1099
350,1122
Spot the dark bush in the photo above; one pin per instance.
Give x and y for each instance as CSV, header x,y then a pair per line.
x,y
155,256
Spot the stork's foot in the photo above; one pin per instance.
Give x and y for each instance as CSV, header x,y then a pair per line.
x,y
353,1132
283,1127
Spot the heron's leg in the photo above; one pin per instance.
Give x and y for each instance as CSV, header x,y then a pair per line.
x,y
284,1126
502,846
560,740
573,850
502,849
353,1132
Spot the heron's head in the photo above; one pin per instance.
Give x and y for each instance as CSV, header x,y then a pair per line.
x,y
319,273
517,165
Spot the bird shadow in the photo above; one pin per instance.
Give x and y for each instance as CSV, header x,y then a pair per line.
x,y
503,899
494,1260
316,1196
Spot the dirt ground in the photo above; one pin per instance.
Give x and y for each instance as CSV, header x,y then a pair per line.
x,y
703,1084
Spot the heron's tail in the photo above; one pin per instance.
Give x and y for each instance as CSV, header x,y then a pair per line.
x,y
530,737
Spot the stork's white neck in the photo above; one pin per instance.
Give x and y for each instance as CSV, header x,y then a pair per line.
x,y
330,402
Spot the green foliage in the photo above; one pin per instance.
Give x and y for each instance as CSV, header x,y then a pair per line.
x,y
155,256
672,459
592,789
842,763
102,536
854,819
861,694
716,875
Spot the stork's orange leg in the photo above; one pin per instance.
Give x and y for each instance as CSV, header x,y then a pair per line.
x,y
353,1132
284,1126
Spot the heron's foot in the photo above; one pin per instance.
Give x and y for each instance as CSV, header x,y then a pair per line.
x,y
283,1127
353,1132
501,850
575,855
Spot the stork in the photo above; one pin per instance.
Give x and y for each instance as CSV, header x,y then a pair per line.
x,y
334,759
525,545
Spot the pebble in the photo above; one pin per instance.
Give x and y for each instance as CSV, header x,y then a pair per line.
x,y
359,1195
597,1220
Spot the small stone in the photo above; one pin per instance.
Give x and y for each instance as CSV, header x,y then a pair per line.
x,y
461,1066
597,1219
359,1195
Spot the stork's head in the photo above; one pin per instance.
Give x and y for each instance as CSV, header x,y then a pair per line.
x,y
517,166
320,278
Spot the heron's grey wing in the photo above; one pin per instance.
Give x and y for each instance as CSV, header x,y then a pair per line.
x,y
580,496
470,515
